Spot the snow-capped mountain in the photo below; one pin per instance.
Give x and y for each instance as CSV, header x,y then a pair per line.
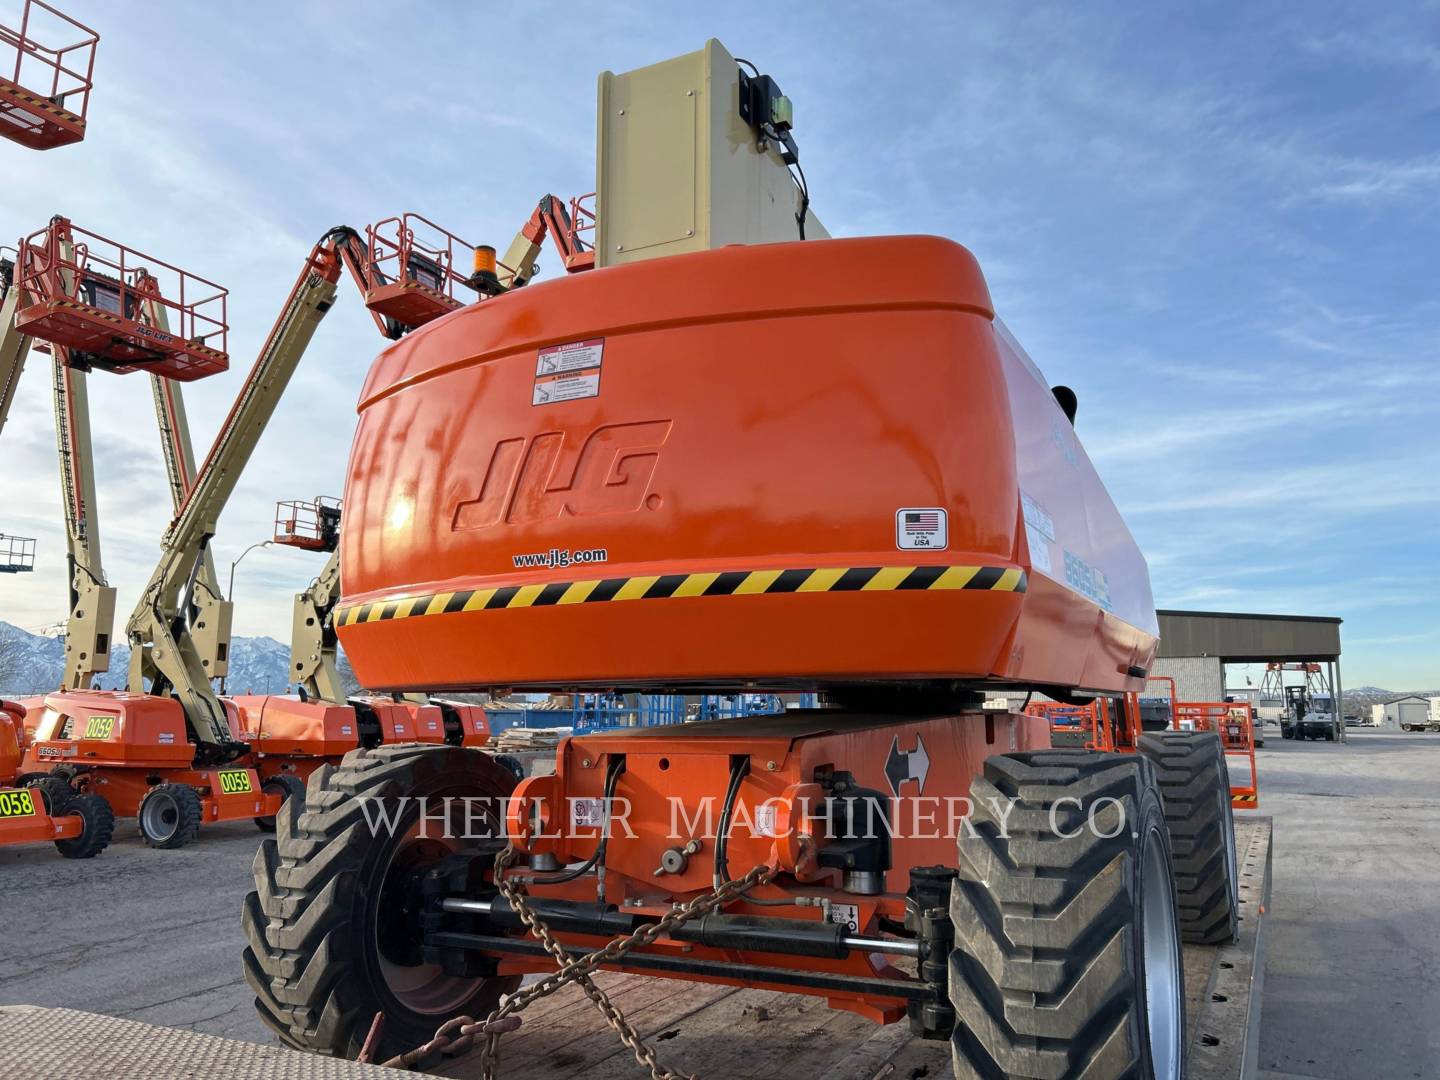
x,y
35,664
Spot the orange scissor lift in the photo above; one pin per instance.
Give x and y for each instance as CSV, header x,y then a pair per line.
x,y
47,64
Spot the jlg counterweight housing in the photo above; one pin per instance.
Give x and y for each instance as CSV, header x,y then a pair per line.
x,y
787,464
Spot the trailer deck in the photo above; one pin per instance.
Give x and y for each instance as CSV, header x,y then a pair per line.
x,y
721,1031
713,1031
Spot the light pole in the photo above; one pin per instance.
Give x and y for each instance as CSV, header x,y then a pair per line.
x,y
230,588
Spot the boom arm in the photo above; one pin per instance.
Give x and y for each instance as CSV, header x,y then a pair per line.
x,y
550,217
88,629
313,653
14,346
161,649
91,622
210,613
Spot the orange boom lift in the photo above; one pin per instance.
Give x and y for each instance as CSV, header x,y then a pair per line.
x,y
410,272
753,458
100,305
45,809
180,755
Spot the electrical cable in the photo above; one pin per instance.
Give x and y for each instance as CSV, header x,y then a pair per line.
x,y
612,777
800,182
722,870
804,187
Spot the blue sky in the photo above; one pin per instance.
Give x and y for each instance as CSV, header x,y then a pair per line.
x,y
1218,222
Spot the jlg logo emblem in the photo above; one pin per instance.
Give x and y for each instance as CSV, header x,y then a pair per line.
x,y
548,476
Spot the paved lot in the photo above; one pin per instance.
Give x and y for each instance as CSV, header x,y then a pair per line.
x,y
1351,992
146,935
1352,988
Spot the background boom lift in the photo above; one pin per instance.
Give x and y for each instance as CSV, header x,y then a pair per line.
x,y
47,62
90,623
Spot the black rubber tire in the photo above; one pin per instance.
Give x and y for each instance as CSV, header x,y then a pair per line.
x,y
512,765
99,821
169,815
1049,974
1330,735
290,787
1195,784
57,790
313,920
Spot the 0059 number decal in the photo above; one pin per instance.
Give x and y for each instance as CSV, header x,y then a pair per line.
x,y
99,727
16,804
235,782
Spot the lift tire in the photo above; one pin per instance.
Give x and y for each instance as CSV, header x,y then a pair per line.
x,y
323,891
1195,784
99,821
169,815
57,791
289,787
1054,970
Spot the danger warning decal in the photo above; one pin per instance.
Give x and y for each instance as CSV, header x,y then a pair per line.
x,y
568,372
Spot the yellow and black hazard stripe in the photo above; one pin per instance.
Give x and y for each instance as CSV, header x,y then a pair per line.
x,y
715,583
176,344
1244,800
11,90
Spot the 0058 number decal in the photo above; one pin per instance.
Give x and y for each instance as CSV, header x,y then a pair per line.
x,y
16,804
235,782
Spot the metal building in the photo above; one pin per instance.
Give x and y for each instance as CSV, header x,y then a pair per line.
x,y
1195,646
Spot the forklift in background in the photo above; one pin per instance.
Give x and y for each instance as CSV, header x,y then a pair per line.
x,y
1302,720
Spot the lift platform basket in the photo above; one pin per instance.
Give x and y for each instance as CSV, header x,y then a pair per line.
x,y
312,525
17,554
47,62
116,309
418,268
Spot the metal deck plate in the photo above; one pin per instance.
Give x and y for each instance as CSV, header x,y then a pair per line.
x,y
43,1043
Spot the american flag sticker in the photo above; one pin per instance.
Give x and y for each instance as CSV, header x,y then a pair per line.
x,y
922,528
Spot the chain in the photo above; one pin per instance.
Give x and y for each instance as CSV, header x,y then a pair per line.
x,y
451,1038
579,969
459,1034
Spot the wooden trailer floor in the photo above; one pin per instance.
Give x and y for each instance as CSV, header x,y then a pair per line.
x,y
728,1033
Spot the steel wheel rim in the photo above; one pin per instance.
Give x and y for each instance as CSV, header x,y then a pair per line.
x,y
1160,947
1231,855
421,988
160,817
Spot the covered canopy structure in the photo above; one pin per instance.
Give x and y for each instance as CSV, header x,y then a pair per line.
x,y
1195,646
